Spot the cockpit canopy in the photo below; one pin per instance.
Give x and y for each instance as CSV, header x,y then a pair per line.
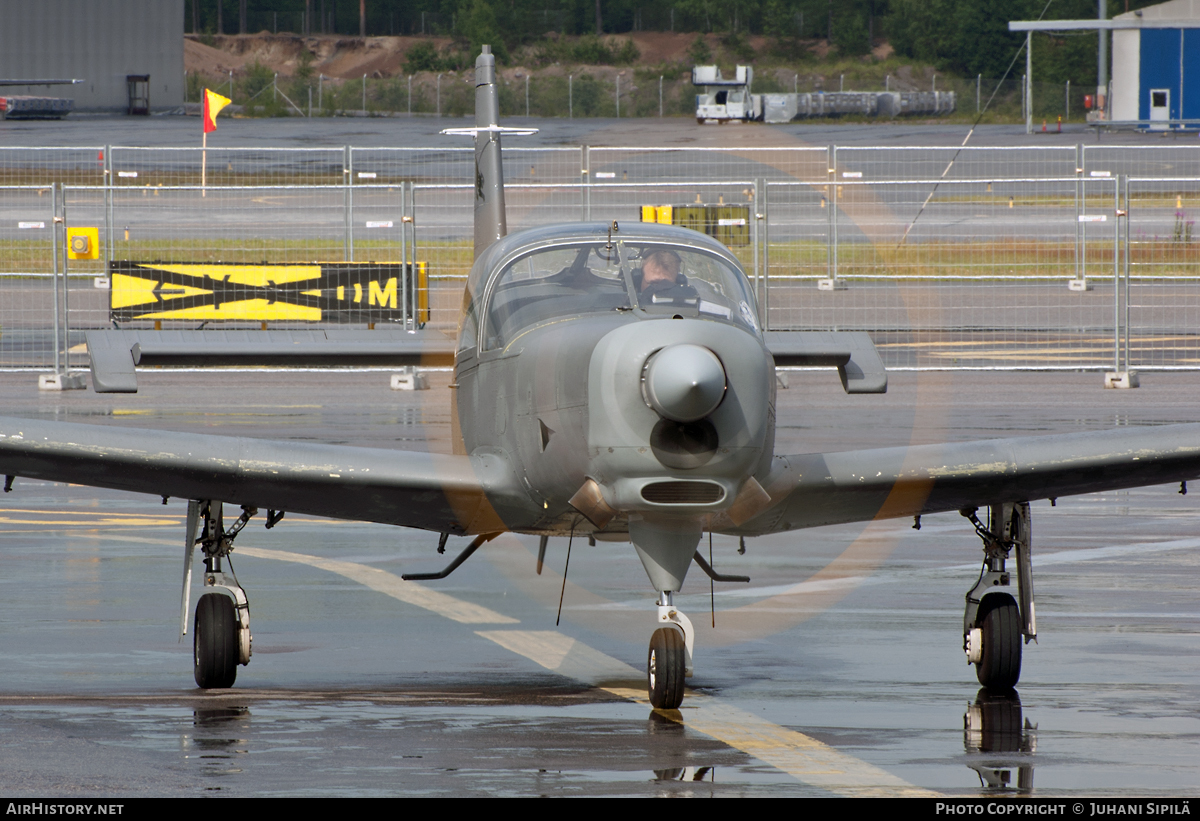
x,y
646,278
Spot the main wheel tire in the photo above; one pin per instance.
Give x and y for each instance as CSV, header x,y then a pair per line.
x,y
1000,666
665,668
215,642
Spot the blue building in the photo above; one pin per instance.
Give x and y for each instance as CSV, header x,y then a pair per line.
x,y
1156,71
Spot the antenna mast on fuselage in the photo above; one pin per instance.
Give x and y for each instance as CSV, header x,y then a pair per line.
x,y
490,222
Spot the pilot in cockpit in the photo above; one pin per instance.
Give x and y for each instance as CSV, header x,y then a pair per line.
x,y
659,271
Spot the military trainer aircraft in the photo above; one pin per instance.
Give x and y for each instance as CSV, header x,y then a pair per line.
x,y
612,381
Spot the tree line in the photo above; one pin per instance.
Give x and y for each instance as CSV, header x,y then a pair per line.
x,y
965,37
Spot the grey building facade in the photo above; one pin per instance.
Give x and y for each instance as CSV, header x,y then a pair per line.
x,y
98,41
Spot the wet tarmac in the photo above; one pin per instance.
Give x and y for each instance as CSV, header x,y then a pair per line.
x,y
837,671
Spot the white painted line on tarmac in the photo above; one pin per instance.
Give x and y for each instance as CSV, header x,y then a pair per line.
x,y
391,585
805,759
796,754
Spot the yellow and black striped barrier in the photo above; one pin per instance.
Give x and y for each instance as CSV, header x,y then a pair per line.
x,y
337,292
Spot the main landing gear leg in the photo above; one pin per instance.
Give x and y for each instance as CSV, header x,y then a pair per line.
x,y
669,661
221,639
995,619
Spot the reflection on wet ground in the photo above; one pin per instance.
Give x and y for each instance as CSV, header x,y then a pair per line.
x,y
998,741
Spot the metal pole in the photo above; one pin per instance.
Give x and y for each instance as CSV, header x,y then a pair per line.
x,y
1128,331
364,95
660,97
410,95
54,223
1080,271
321,91
1102,64
978,89
310,102
412,239
618,96
526,95
348,203
755,232
1068,102
108,210
275,88
404,285
586,178
439,95
570,96
230,84
1029,82
1116,275
766,242
66,282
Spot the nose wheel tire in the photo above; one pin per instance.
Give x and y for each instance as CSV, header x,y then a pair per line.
x,y
665,668
215,642
1000,665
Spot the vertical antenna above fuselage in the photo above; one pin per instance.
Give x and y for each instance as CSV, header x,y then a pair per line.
x,y
490,223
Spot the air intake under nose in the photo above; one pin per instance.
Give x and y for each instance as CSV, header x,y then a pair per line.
x,y
684,382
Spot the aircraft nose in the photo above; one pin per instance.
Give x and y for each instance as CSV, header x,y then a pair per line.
x,y
684,382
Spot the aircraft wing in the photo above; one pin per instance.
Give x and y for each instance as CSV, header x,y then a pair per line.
x,y
430,491
813,489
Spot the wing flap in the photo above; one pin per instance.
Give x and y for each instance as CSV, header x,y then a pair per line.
x,y
808,490
430,491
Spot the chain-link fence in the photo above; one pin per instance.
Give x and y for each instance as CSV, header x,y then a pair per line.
x,y
972,257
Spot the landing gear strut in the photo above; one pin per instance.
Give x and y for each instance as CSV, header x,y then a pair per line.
x,y
221,638
995,620
669,660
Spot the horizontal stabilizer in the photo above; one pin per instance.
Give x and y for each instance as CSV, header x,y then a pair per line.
x,y
114,354
851,352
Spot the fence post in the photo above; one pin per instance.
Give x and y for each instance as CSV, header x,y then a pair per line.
x,y
755,240
348,201
54,248
1116,268
765,202
108,210
585,178
404,286
1080,269
1128,327
570,96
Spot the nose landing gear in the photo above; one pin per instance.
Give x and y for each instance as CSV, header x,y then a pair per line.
x,y
669,660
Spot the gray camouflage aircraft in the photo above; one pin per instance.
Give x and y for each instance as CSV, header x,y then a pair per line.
x,y
610,381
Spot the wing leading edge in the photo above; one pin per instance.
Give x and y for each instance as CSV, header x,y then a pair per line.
x,y
813,489
435,492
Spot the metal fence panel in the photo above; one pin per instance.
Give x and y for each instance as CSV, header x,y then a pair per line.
x,y
671,164
949,273
32,165
950,257
1163,273
26,271
1170,160
868,164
